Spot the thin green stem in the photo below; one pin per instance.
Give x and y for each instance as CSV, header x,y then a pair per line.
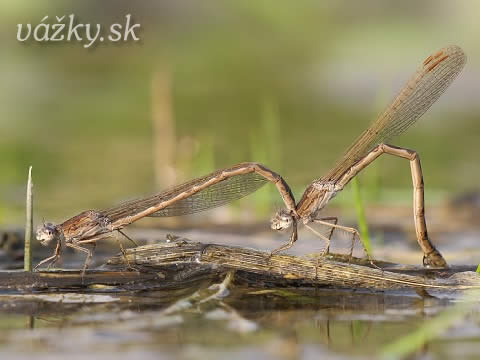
x,y
431,329
27,262
362,221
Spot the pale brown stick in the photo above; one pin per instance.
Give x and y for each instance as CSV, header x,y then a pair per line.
x,y
432,256
320,270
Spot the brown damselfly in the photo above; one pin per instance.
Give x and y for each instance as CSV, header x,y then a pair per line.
x,y
421,91
213,190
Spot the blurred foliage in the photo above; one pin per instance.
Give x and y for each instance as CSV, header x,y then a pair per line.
x,y
289,84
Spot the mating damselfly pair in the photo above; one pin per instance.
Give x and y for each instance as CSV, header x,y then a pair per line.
x,y
223,186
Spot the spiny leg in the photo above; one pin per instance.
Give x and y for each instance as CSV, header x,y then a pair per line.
x,y
94,246
431,257
352,231
128,237
355,235
323,237
122,249
329,238
335,221
53,259
58,249
87,260
50,258
293,238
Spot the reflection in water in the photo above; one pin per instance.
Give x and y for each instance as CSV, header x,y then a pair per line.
x,y
266,324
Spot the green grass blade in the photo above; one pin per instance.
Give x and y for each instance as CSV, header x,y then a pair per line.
x,y
431,329
362,221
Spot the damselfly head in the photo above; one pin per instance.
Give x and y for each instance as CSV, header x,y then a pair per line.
x,y
281,220
46,233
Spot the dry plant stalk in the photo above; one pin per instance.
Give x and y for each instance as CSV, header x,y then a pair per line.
x,y
285,270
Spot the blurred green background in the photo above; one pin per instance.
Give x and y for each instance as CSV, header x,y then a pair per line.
x,y
214,83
